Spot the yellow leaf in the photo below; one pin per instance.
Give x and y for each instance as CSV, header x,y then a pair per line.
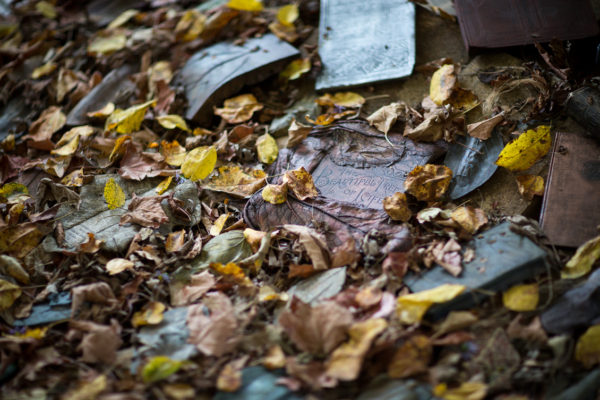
x,y
46,9
301,183
43,70
442,84
104,112
84,131
9,292
118,147
122,19
245,5
199,163
190,26
236,181
113,194
74,179
107,42
469,218
68,149
173,153
164,185
172,121
287,15
87,390
523,152
239,109
266,148
159,368
323,119
466,391
275,358
275,194
179,391
118,265
232,270
151,314
411,307
530,185
342,99
583,260
521,297
34,333
129,120
295,69
218,225
396,206
13,193
587,350
428,182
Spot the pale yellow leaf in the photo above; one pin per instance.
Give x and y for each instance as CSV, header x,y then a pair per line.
x,y
172,121
583,260
287,15
266,149
118,265
122,19
43,70
521,297
151,314
107,42
342,99
9,292
104,112
68,149
173,153
218,225
295,69
411,307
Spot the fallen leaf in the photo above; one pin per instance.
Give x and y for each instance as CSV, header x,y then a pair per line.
x,y
314,243
288,14
145,211
190,26
107,42
456,320
469,218
19,240
447,255
521,297
275,358
233,271
301,183
151,314
284,32
46,9
236,181
68,149
11,266
346,361
163,186
245,5
9,292
411,307
295,69
172,121
122,19
523,152
104,112
119,147
138,165
466,391
239,109
483,129
50,121
443,82
179,391
583,260
173,153
118,265
43,70
87,390
322,120
396,206
587,350
428,182
91,246
175,241
199,163
100,342
129,120
341,99
230,377
316,330
275,194
187,293
266,149
530,185
159,368
385,117
14,193
113,194
297,132
218,225
411,358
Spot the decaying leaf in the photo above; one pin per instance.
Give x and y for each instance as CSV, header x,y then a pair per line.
x,y
346,361
314,243
236,181
385,117
187,293
266,149
526,150
341,99
442,84
411,307
172,121
295,69
151,314
583,260
145,211
411,358
87,389
521,297
175,241
469,218
173,153
190,25
107,42
9,292
129,120
530,185
301,183
199,163
91,245
483,129
100,342
297,133
13,193
122,19
396,206
159,368
50,121
587,350
118,265
239,109
428,182
113,194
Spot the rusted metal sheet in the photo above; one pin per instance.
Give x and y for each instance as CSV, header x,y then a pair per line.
x,y
221,70
571,207
365,41
503,23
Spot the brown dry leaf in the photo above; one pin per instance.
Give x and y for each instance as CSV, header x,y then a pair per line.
x,y
314,243
428,182
91,245
139,165
150,314
275,358
447,255
100,342
239,109
145,211
483,129
175,241
385,117
41,130
118,265
173,152
19,240
396,206
346,361
214,333
456,320
300,270
317,330
275,194
99,293
322,120
530,185
297,132
345,254
284,32
230,377
237,181
301,183
183,294
341,99
411,358
469,218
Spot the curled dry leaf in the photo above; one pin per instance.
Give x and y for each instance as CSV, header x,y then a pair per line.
x,y
175,241
295,69
583,260
100,342
469,218
297,132
341,99
530,185
104,112
118,265
91,245
266,149
239,109
145,211
483,129
396,206
521,297
284,32
526,150
187,293
49,122
236,181
314,243
385,117
301,183
428,182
